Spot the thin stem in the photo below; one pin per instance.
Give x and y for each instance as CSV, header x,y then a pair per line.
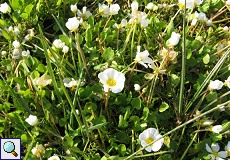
x,y
181,96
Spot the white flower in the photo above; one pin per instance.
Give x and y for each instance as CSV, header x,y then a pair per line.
x,y
174,39
227,2
38,150
142,17
202,16
16,53
4,8
228,82
137,87
30,35
42,81
217,84
214,150
197,2
207,123
114,8
10,29
54,158
73,8
142,57
72,24
217,128
16,31
58,43
3,53
134,6
104,10
150,6
194,21
16,44
32,120
77,111
121,25
209,22
84,14
148,136
225,28
65,49
25,53
112,79
69,82
189,4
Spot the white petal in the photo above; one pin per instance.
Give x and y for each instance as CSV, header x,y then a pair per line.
x,y
223,154
215,147
218,158
103,77
208,148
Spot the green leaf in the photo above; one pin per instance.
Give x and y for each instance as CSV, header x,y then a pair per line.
x,y
88,35
211,96
164,106
216,137
122,149
136,103
27,11
122,123
2,23
175,79
226,127
170,28
145,113
24,138
67,142
17,4
108,54
206,59
98,126
59,2
62,122
41,68
6,35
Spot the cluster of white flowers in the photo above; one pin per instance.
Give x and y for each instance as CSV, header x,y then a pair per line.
x,y
190,4
138,16
73,23
30,35
14,30
58,44
215,152
199,17
217,84
107,10
5,8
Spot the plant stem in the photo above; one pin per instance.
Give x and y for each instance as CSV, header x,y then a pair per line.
x,y
181,96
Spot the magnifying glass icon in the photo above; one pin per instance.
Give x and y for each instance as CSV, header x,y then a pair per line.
x,y
9,147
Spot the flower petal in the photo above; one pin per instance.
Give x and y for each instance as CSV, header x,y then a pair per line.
x,y
215,147
208,148
223,154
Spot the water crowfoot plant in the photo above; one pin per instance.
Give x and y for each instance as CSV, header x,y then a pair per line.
x,y
73,86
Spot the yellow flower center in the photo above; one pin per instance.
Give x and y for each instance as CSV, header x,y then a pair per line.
x,y
149,140
215,154
111,82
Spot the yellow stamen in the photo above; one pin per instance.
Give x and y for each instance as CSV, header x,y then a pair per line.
x,y
149,140
111,82
215,154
